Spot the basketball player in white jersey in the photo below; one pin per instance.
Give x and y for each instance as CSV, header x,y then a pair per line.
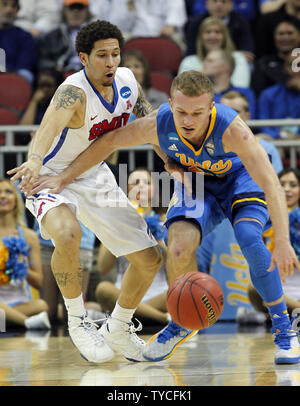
x,y
88,104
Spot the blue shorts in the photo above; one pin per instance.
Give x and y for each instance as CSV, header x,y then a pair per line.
x,y
215,198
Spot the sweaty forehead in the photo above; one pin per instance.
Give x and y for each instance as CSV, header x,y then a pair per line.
x,y
188,103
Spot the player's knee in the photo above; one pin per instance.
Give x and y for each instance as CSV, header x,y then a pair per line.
x,y
68,236
181,251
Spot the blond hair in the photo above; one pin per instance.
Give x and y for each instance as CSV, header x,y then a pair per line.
x,y
19,209
227,43
192,83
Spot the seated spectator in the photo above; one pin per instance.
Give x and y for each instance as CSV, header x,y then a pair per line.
x,y
38,16
20,264
268,70
159,17
136,61
290,181
214,34
240,104
218,65
47,83
19,45
282,101
57,48
243,7
153,306
238,26
122,13
266,24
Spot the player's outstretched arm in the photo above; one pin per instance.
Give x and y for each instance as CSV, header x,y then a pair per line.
x,y
68,101
239,139
140,131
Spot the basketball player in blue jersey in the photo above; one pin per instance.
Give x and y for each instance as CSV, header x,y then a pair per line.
x,y
86,105
239,183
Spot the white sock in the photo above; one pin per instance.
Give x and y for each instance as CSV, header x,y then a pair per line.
x,y
122,314
75,307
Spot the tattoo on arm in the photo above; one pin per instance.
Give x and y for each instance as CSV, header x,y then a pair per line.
x,y
67,96
142,106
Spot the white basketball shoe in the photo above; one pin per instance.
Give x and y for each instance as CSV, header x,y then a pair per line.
x,y
121,338
86,336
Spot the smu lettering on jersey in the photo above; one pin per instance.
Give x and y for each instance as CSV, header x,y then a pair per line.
x,y
210,157
100,117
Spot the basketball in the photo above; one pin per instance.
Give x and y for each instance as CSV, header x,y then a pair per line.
x,y
195,300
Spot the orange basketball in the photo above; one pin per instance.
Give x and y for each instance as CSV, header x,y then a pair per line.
x,y
195,300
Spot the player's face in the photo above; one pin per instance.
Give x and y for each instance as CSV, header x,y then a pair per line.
x,y
103,61
191,114
291,188
7,197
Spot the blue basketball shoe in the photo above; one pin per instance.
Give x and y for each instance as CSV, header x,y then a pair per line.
x,y
164,343
287,344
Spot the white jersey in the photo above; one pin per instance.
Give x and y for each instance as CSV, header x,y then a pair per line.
x,y
100,117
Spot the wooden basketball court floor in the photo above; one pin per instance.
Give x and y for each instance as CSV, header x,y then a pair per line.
x,y
222,355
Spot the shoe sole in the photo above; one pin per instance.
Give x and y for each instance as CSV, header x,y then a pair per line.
x,y
86,359
172,350
287,360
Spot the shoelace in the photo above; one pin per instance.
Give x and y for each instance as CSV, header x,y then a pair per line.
x,y
133,329
169,332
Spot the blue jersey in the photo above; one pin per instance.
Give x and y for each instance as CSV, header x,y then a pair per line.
x,y
210,157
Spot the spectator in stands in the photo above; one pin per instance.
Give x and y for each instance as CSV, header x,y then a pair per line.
x,y
122,13
144,18
20,264
238,26
214,34
243,7
38,16
141,191
267,23
290,181
268,70
218,65
57,48
136,61
282,101
47,83
19,45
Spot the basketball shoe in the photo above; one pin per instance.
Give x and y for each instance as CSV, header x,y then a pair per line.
x,y
287,351
85,335
121,338
163,344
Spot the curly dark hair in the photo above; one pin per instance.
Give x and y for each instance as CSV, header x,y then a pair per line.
x,y
96,31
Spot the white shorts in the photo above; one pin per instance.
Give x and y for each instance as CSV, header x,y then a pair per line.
x,y
101,205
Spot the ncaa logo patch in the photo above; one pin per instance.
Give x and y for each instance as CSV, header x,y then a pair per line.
x,y
125,92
